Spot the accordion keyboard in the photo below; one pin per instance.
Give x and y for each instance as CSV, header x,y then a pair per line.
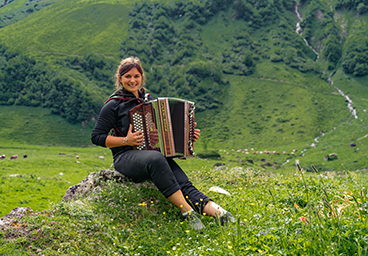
x,y
138,126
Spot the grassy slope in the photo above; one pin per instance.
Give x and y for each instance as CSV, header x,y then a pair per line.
x,y
37,126
17,4
277,108
71,27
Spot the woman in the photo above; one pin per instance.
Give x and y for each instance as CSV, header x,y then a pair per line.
x,y
141,165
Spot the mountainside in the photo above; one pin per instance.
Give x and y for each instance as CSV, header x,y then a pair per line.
x,y
256,81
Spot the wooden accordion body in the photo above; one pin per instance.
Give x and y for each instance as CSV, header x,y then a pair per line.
x,y
167,125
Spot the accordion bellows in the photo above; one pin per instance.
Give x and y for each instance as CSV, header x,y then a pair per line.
x,y
167,125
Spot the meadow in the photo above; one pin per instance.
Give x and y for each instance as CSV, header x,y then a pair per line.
x,y
288,212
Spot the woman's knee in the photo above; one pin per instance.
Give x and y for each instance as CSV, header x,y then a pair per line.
x,y
156,159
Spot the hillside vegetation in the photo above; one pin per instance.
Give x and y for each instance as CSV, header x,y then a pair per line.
x,y
255,81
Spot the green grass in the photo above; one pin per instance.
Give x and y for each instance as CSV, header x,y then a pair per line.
x,y
13,6
295,214
45,175
63,28
37,126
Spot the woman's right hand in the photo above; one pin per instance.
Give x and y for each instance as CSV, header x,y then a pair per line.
x,y
133,138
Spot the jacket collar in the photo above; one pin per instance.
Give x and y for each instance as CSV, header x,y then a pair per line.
x,y
126,94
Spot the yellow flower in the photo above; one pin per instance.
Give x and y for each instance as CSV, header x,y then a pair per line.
x,y
230,247
164,212
187,231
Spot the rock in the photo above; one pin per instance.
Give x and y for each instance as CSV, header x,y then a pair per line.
x,y
331,157
94,182
8,219
218,164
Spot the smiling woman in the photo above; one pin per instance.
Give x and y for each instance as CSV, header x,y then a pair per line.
x,y
141,165
130,76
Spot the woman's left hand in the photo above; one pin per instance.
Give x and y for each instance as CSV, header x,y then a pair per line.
x,y
196,133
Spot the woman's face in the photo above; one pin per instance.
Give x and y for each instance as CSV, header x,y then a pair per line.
x,y
132,81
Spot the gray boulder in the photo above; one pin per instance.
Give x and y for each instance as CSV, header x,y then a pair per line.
x,y
331,157
94,182
9,219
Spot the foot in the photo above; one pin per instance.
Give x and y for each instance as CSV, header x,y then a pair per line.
x,y
193,220
226,217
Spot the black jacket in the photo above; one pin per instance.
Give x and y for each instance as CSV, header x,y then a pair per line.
x,y
114,116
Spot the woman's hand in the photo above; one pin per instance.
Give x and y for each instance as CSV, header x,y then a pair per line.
x,y
196,133
133,139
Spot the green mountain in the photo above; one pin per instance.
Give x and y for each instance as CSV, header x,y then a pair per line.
x,y
265,98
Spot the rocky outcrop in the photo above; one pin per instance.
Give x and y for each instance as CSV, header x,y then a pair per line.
x,y
93,183
10,220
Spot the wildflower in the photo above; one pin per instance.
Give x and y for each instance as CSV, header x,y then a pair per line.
x,y
257,216
304,219
187,231
296,206
164,212
43,220
230,247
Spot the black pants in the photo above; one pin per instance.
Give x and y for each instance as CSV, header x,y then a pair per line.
x,y
142,165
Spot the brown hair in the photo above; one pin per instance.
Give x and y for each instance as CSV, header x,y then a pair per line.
x,y
125,66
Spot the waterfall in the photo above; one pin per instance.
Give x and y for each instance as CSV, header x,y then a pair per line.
x,y
350,102
299,29
352,110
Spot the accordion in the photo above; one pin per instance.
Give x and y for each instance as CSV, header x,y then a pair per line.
x,y
167,125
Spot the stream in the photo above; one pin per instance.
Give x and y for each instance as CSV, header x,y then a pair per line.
x,y
352,110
